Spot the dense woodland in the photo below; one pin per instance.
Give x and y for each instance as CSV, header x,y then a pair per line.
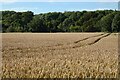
x,y
76,21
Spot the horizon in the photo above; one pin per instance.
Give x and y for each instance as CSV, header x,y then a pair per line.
x,y
58,12
46,7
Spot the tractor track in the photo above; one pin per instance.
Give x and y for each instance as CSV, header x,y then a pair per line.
x,y
93,42
88,38
99,39
78,43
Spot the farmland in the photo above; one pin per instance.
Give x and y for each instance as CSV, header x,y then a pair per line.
x,y
59,55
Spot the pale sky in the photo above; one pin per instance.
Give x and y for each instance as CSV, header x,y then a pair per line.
x,y
59,0
44,6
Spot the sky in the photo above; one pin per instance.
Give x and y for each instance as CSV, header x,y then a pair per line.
x,y
40,6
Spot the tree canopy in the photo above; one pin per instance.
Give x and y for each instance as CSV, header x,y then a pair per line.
x,y
75,21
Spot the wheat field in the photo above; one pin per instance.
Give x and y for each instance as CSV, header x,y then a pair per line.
x,y
59,55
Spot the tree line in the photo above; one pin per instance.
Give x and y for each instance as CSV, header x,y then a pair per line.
x,y
74,21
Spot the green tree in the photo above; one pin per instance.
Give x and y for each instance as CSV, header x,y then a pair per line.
x,y
106,23
75,29
116,23
90,21
66,24
26,17
37,25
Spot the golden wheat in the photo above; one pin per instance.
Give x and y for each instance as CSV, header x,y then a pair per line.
x,y
59,55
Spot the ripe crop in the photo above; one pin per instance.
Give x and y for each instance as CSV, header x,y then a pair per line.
x,y
59,55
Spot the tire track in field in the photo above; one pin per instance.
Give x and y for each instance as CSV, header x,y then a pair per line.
x,y
77,40
99,39
80,43
87,38
92,42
